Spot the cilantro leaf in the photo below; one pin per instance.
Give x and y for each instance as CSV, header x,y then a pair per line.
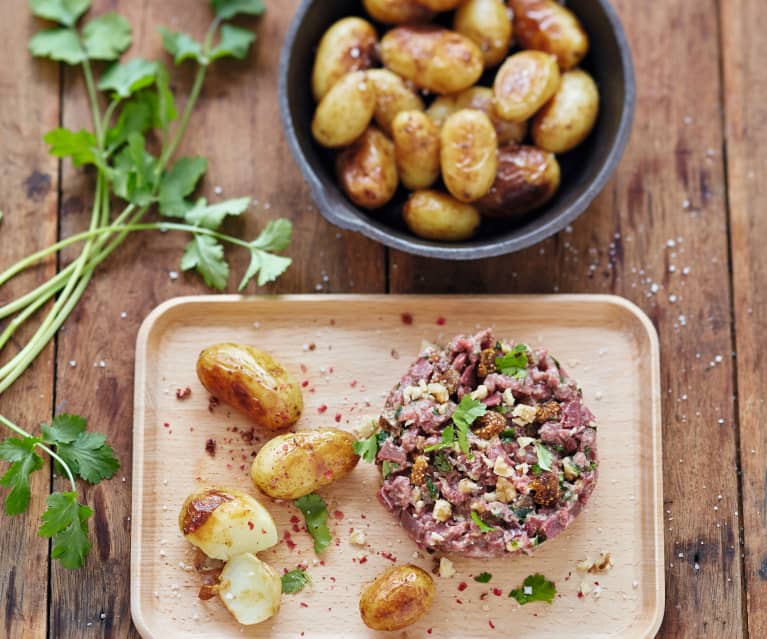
x,y
535,588
62,45
367,448
129,77
483,578
80,146
448,439
483,527
235,43
107,37
227,9
87,454
134,180
275,236
544,456
136,116
508,435
66,12
315,513
165,109
206,254
177,183
294,581
267,266
514,363
181,46
442,463
66,521
522,513
24,461
433,491
211,216
388,467
464,416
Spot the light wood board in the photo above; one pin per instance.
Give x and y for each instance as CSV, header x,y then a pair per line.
x,y
353,350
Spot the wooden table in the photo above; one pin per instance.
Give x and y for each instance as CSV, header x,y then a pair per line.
x,y
679,231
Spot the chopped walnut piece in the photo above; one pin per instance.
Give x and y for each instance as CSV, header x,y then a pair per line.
x,y
490,425
418,472
449,378
486,363
547,412
601,565
545,489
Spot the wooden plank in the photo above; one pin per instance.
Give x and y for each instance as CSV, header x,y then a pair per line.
x,y
29,106
665,208
237,128
745,85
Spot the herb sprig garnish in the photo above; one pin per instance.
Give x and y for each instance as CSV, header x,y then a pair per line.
x,y
514,363
315,512
131,105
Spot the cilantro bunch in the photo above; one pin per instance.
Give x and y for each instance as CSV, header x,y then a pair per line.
x,y
136,130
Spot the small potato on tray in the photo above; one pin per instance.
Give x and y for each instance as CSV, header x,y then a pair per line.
x,y
503,91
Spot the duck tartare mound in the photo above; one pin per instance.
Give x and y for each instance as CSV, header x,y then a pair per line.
x,y
486,448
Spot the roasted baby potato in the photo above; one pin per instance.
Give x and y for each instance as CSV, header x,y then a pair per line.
x,y
345,112
469,154
440,5
250,589
251,381
397,11
488,24
525,82
392,96
296,464
545,25
416,147
437,216
567,119
349,45
367,170
433,58
397,598
224,523
527,178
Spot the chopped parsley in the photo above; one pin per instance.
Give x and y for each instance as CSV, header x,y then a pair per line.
x,y
593,466
482,525
514,363
536,469
388,467
448,439
368,448
398,412
464,416
544,456
509,435
315,512
294,581
442,463
483,577
502,409
432,488
522,513
535,588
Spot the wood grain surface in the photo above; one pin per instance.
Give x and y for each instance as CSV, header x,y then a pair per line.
x,y
665,211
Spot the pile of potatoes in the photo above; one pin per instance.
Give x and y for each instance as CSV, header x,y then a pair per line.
x,y
472,138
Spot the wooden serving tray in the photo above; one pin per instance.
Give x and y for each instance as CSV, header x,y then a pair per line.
x,y
351,350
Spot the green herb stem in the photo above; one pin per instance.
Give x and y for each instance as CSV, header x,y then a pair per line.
x,y
93,99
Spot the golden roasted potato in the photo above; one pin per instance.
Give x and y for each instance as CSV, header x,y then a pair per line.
x,y
224,523
433,58
397,598
525,82
567,119
251,381
250,589
438,216
416,146
392,96
488,24
483,99
440,5
345,112
527,178
397,11
545,25
367,170
296,464
349,45
469,154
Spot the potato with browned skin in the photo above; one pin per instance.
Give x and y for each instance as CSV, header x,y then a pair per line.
x,y
296,464
367,170
397,598
345,112
392,97
524,83
438,216
488,24
469,154
252,382
397,11
416,147
545,25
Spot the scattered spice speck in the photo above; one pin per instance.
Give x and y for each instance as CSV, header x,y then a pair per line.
x,y
407,318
